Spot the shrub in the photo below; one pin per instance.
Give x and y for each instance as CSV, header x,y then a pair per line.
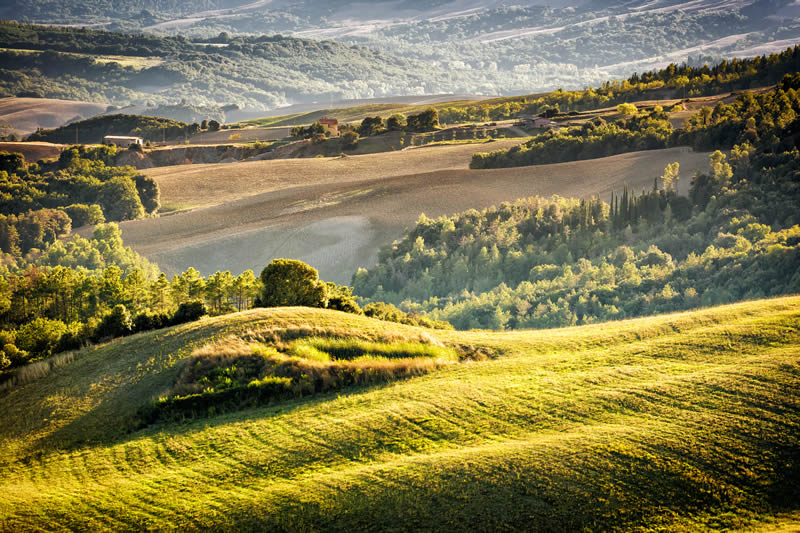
x,y
350,140
73,338
149,321
117,323
189,312
40,336
84,215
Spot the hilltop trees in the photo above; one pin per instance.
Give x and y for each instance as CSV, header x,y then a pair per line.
x,y
291,282
428,120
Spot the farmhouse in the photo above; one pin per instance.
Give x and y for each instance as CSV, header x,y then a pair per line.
x,y
537,122
122,141
330,125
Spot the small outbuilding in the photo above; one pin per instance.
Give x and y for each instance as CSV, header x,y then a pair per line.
x,y
331,125
122,141
537,122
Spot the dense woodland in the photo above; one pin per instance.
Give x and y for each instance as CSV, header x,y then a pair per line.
x,y
255,72
552,262
41,202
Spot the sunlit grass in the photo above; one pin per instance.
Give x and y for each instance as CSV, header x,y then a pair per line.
x,y
685,422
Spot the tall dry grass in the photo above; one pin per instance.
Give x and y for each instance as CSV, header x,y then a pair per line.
x,y
278,362
38,370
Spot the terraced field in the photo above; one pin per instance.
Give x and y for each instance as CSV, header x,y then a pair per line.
x,y
336,213
683,422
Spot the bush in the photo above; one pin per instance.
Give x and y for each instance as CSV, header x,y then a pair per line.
x,y
117,323
341,298
350,140
40,336
189,312
73,338
149,321
84,215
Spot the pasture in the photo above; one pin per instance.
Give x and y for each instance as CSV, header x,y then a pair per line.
x,y
683,422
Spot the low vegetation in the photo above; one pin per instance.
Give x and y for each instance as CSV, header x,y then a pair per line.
x,y
634,424
279,364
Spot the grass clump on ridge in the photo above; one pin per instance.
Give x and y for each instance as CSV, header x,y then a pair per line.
x,y
275,365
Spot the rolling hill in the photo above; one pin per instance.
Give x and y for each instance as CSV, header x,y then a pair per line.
x,y
26,115
679,422
336,213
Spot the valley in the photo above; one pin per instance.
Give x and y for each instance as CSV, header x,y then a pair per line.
x,y
309,208
399,266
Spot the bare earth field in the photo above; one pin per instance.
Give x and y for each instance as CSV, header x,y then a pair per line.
x,y
27,114
33,151
244,135
336,213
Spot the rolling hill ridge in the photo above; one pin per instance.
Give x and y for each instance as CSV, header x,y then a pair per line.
x,y
685,421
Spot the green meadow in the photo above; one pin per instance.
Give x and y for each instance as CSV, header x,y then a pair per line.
x,y
682,422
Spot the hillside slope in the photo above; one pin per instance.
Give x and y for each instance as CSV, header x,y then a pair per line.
x,y
679,422
26,115
336,213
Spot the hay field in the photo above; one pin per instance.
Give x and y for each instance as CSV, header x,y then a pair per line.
x,y
27,114
245,135
683,422
33,151
336,213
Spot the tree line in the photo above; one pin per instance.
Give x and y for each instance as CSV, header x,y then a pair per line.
x,y
40,202
673,81
766,118
552,262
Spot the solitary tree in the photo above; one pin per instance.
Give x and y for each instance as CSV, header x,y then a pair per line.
x,y
670,177
288,282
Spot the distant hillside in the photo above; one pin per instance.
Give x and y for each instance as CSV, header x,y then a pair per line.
x,y
26,115
92,131
485,46
250,72
685,422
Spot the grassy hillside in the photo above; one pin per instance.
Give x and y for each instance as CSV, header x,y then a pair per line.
x,y
680,422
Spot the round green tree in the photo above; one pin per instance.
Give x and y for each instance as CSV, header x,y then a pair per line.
x,y
288,282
